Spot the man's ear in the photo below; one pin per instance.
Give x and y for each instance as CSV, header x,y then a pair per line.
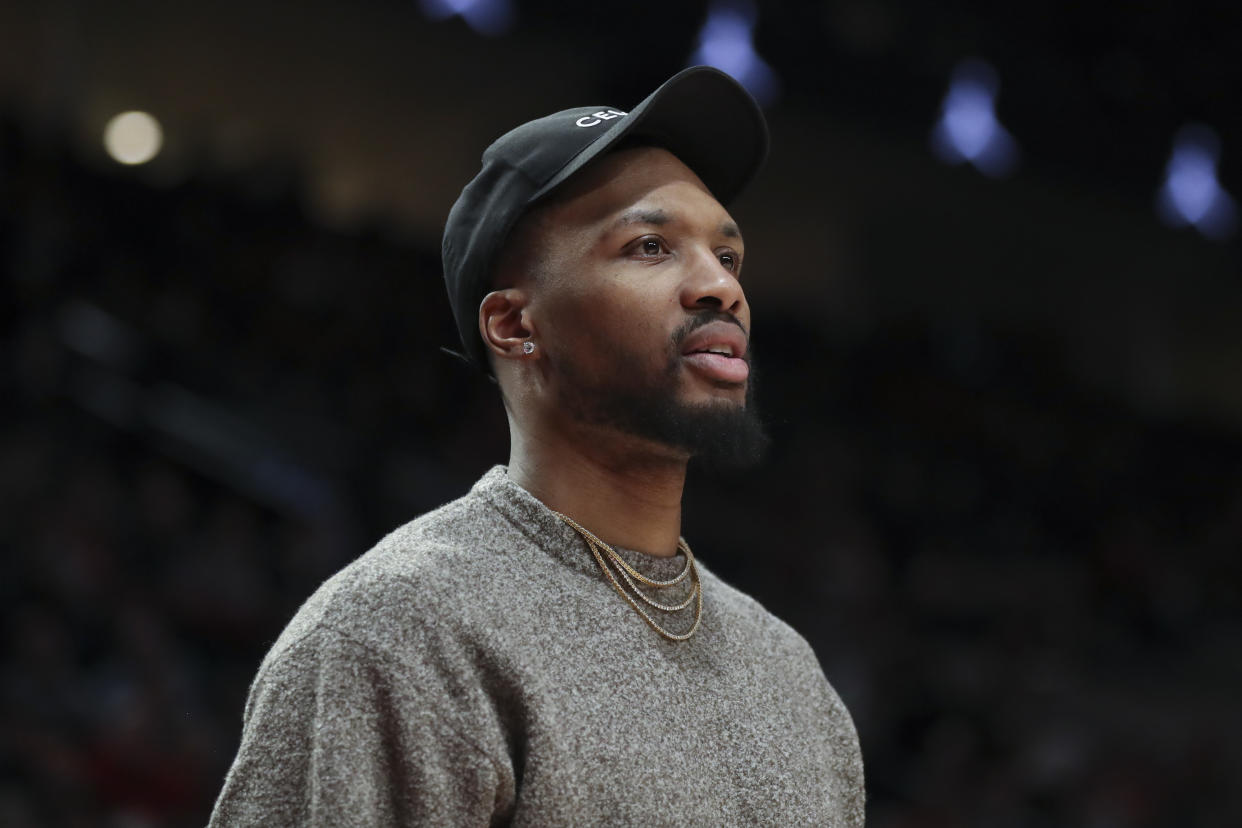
x,y
505,324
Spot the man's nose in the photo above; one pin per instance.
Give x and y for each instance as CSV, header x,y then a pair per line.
x,y
709,284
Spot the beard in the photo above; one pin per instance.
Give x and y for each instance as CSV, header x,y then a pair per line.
x,y
719,435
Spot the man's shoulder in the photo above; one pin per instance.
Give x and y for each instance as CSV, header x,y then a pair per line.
x,y
470,522
752,625
414,578
786,660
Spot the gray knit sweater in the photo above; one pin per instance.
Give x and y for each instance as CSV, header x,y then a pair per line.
x,y
476,668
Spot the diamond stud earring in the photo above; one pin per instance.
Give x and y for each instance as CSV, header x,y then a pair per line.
x,y
528,347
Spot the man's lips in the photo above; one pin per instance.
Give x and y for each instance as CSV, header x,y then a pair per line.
x,y
718,350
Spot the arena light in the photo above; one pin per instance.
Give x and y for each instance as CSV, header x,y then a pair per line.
x,y
1191,193
133,138
727,42
968,130
487,17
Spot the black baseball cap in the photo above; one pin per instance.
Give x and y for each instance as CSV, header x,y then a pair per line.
x,y
701,115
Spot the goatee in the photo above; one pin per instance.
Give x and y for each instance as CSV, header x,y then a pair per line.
x,y
717,435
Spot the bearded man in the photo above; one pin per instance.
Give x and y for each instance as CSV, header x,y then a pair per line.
x,y
547,650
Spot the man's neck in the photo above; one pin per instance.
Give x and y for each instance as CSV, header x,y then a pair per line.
x,y
625,495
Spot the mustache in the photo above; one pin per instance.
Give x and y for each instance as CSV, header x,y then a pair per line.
x,y
706,318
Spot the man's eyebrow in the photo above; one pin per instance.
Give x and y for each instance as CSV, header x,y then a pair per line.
x,y
657,217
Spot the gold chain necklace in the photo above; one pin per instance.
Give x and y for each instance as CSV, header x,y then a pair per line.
x,y
630,574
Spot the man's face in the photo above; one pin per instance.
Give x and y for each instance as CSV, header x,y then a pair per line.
x,y
640,310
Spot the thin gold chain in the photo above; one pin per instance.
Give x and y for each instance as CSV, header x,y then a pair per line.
x,y
634,573
646,599
696,590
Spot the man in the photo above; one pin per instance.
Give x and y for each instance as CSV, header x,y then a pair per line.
x,y
546,650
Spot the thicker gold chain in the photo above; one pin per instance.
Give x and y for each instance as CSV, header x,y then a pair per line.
x,y
696,590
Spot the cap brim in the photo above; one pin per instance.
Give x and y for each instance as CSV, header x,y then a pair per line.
x,y
701,115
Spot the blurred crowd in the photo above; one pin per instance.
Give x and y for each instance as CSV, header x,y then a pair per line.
x,y
1027,594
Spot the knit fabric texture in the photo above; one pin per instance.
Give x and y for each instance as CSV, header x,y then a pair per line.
x,y
476,668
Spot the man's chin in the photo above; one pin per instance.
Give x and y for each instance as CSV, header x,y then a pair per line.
x,y
723,434
717,393
715,423
716,430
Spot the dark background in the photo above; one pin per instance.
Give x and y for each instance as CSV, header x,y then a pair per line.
x,y
1004,503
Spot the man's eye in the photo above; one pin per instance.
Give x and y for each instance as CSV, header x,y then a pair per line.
x,y
651,247
729,260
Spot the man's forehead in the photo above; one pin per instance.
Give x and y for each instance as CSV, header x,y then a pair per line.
x,y
659,217
639,184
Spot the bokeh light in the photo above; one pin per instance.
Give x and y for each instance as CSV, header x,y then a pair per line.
x,y
487,17
133,138
726,42
968,129
1191,193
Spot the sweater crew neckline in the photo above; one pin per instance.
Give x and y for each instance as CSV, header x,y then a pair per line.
x,y
546,530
